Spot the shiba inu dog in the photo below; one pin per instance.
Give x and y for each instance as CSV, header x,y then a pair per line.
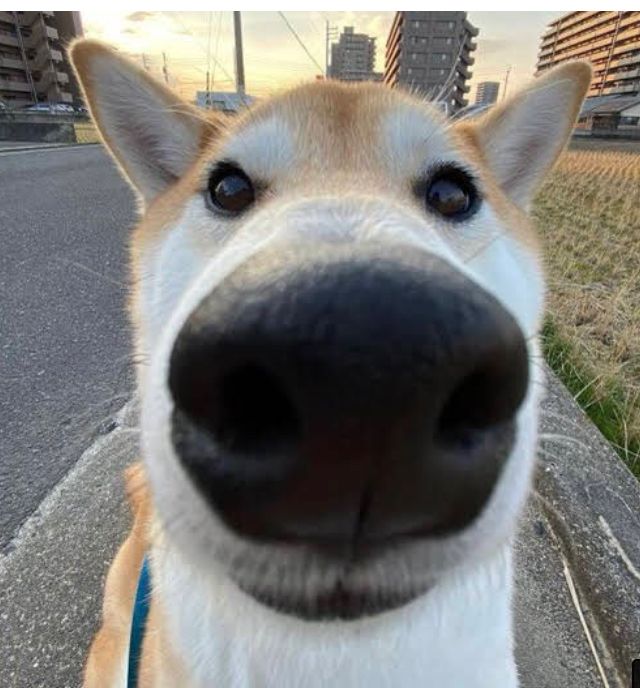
x,y
336,295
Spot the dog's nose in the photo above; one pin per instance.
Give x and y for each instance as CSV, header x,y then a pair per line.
x,y
346,399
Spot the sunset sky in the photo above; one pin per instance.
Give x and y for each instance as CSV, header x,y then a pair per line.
x,y
273,57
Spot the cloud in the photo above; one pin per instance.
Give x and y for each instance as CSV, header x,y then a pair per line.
x,y
491,46
139,16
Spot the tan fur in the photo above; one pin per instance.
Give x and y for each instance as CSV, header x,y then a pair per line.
x,y
112,640
159,665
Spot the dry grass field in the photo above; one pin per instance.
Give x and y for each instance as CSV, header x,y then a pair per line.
x,y
588,213
86,132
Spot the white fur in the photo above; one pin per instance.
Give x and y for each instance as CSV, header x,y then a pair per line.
x,y
458,635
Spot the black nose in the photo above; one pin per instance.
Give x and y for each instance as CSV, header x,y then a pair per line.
x,y
345,399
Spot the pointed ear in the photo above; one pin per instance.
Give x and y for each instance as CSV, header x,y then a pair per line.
x,y
521,138
153,134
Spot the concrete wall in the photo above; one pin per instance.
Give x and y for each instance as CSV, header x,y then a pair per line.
x,y
49,132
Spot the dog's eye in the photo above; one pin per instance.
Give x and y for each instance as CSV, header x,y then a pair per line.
x,y
451,193
230,190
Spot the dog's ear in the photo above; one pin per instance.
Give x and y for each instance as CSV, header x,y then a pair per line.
x,y
153,134
521,138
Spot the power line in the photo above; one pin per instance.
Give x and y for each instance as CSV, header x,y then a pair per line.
x,y
213,74
300,41
197,40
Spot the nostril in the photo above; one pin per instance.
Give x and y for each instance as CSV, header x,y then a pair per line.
x,y
484,399
254,413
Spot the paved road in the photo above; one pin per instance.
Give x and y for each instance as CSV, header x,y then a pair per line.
x,y
64,339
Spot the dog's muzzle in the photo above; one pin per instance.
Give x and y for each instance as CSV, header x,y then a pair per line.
x,y
345,400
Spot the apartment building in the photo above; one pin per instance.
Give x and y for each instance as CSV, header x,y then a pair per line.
x,y
430,52
487,92
33,61
353,57
609,40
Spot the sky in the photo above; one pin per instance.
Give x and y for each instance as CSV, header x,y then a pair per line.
x,y
273,57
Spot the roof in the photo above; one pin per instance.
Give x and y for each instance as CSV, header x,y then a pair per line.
x,y
601,105
225,100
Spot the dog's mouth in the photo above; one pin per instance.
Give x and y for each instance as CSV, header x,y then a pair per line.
x,y
341,601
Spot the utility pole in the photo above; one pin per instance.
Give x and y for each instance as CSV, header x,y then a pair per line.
x,y
23,54
330,33
506,82
207,98
144,62
165,71
237,30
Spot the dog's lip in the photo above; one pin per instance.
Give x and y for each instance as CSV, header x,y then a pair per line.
x,y
341,602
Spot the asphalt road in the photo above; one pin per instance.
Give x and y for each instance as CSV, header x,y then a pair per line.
x,y
65,370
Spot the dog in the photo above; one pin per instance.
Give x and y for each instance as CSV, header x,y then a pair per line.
x,y
336,296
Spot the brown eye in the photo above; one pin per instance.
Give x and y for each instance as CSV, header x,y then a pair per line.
x,y
230,190
452,194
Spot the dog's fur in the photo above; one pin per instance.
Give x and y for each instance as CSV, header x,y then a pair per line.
x,y
337,163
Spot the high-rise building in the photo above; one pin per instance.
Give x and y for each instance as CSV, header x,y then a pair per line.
x,y
430,52
33,61
487,92
353,57
609,40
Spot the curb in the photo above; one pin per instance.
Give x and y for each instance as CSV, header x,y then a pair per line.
x,y
47,146
592,502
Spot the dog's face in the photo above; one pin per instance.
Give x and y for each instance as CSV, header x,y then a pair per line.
x,y
336,296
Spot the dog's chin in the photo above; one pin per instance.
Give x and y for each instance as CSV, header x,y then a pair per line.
x,y
340,602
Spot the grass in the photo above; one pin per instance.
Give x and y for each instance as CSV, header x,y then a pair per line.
x,y
588,213
86,132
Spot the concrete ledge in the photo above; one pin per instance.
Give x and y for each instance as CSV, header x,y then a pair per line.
x,y
51,579
592,502
12,146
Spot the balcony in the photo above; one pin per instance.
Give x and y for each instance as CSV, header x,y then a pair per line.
x,y
39,33
624,61
467,59
620,90
44,57
629,74
11,63
471,29
51,77
9,39
17,86
463,71
603,18
632,45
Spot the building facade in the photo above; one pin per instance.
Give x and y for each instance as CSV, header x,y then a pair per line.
x,y
609,40
353,57
33,63
430,53
487,92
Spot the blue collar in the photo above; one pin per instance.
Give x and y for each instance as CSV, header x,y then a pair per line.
x,y
138,623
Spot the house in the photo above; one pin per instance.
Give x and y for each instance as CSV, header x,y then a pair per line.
x,y
610,114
